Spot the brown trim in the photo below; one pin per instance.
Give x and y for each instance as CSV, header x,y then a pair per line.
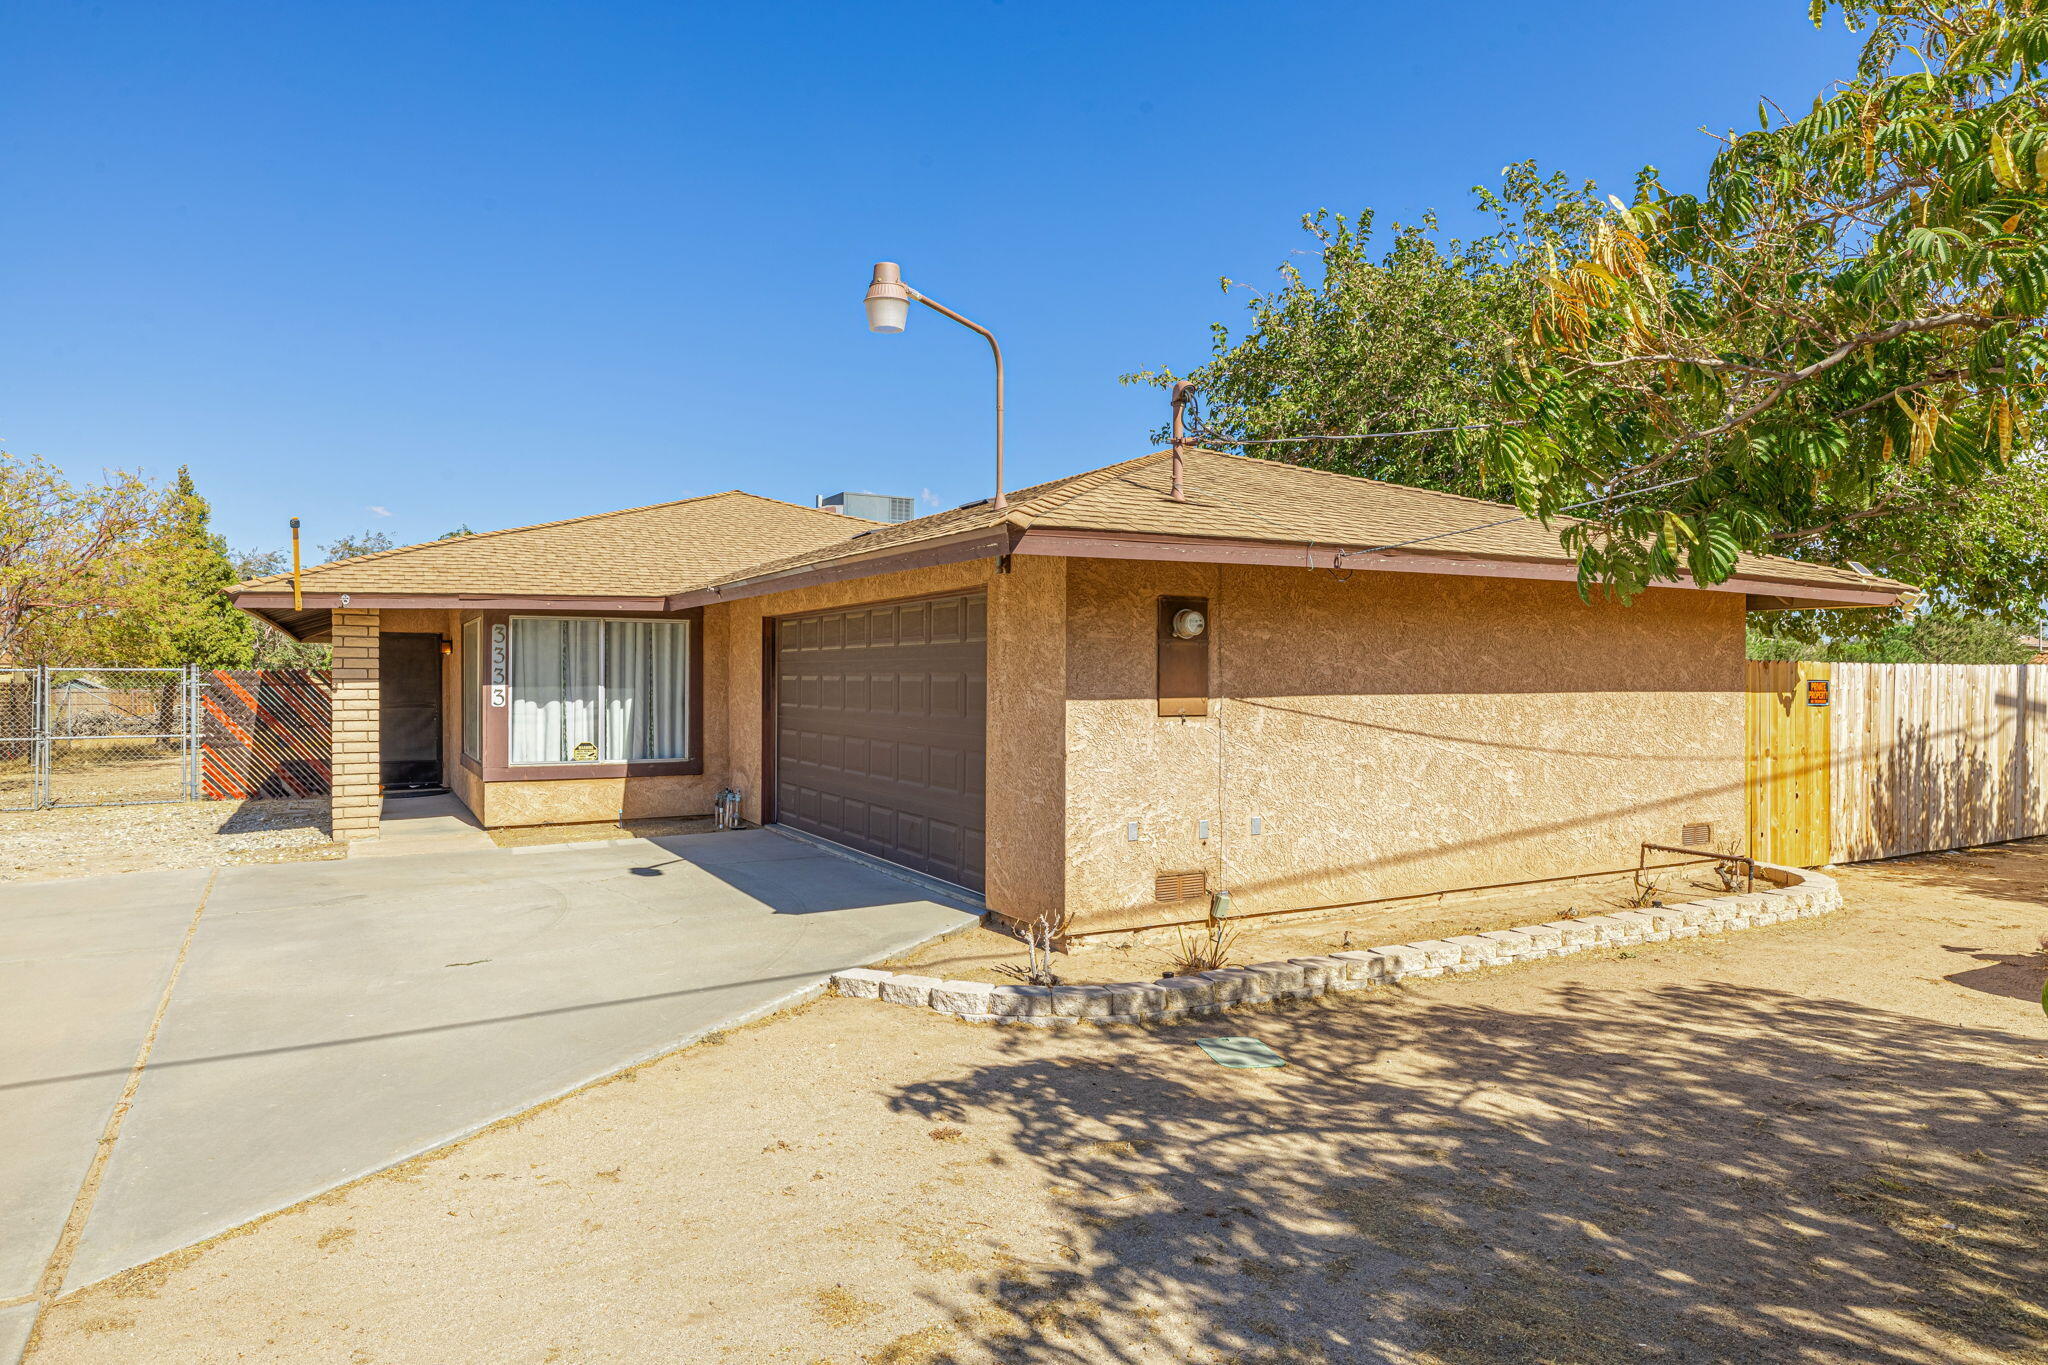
x,y
769,673
378,601
965,590
553,772
1183,671
497,737
982,543
1218,550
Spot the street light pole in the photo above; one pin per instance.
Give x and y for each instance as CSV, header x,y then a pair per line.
x,y
888,308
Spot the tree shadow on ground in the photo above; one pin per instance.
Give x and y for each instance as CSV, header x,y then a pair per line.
x,y
2015,872
2016,976
1693,1173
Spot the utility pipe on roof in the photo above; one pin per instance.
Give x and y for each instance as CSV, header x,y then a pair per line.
x,y
1182,392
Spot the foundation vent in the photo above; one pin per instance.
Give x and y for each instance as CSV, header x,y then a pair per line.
x,y
1698,835
1180,886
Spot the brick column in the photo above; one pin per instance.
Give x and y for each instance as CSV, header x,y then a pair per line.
x,y
358,800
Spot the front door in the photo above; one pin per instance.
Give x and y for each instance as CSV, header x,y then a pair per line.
x,y
409,711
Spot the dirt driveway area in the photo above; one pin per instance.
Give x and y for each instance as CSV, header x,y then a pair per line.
x,y
1821,1142
93,841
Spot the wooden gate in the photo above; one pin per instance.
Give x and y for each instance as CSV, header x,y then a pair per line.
x,y
1787,767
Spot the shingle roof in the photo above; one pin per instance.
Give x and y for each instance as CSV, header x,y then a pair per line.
x,y
639,552
729,538
1238,497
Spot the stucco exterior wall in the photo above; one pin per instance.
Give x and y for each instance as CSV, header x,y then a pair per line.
x,y
1397,734
1027,768
574,801
1024,855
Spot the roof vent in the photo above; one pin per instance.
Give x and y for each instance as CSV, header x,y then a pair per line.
x,y
870,506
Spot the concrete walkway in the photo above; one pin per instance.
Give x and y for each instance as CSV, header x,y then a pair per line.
x,y
303,1024
423,824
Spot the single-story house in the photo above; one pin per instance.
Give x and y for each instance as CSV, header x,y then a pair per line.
x,y
1095,705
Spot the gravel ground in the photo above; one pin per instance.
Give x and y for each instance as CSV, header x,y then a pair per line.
x,y
1824,1142
87,841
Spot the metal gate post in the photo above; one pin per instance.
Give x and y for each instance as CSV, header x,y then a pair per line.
x,y
39,779
191,732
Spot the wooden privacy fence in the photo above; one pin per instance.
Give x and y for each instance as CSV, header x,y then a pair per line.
x,y
264,733
1889,759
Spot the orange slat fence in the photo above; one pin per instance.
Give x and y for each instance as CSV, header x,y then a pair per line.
x,y
265,733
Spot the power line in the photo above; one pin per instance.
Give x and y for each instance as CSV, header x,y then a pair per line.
x,y
1511,521
1196,436
1204,438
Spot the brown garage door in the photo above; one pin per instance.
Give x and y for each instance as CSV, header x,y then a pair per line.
x,y
880,717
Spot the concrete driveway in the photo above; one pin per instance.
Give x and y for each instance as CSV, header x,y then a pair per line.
x,y
304,1024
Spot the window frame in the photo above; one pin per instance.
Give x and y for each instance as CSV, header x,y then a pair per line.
x,y
471,685
495,765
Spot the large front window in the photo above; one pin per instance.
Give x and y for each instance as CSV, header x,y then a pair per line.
x,y
599,691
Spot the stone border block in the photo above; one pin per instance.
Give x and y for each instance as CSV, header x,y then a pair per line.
x,y
1185,995
1081,1002
1020,1002
1800,895
860,983
1363,967
1319,974
905,989
974,999
1277,980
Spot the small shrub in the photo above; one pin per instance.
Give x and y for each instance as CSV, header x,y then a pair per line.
x,y
1037,969
1201,953
1648,892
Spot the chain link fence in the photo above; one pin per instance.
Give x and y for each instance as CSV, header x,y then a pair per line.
x,y
98,736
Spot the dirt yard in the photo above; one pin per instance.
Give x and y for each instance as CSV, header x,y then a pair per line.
x,y
1821,1142
86,841
991,955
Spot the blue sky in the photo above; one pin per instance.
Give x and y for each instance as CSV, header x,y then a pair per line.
x,y
403,266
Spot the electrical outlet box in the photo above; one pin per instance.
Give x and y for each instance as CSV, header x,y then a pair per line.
x,y
1258,824
1201,829
1131,832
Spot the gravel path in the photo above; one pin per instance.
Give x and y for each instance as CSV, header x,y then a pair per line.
x,y
88,841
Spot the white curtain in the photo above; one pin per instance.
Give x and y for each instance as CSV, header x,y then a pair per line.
x,y
621,685
667,690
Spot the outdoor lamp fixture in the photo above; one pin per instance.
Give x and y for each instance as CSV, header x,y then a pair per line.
x,y
888,305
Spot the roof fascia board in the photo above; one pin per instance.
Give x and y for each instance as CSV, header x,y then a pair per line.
x,y
249,601
980,543
1216,550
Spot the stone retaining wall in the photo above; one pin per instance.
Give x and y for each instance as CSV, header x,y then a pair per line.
x,y
1797,894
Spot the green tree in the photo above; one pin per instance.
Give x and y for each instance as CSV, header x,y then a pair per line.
x,y
199,625
1836,347
1871,415
81,566
272,647
456,534
354,546
1941,636
1409,338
